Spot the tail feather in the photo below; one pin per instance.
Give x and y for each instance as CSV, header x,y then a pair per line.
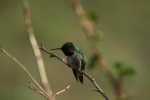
x,y
78,75
75,73
81,79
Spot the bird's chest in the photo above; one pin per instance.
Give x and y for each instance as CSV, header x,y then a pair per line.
x,y
74,62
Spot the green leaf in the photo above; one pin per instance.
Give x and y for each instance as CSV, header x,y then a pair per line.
x,y
129,71
123,69
91,15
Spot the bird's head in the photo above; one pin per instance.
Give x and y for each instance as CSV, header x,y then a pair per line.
x,y
68,49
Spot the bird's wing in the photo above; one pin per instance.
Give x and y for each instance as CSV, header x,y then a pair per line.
x,y
83,63
82,57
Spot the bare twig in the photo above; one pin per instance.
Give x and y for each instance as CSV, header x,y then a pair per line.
x,y
34,44
52,55
32,87
61,91
98,89
25,69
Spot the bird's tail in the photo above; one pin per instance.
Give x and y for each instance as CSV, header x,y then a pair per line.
x,y
78,75
81,78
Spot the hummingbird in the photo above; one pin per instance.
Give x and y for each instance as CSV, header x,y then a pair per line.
x,y
75,59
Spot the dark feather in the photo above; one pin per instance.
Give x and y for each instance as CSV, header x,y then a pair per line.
x,y
83,65
82,69
75,73
81,78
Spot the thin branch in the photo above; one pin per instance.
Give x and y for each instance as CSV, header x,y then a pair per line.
x,y
61,91
25,70
98,89
34,44
32,87
52,55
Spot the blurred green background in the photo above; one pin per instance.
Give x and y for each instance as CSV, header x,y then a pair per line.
x,y
126,37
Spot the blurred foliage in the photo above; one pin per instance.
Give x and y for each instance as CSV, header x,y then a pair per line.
x,y
123,69
91,15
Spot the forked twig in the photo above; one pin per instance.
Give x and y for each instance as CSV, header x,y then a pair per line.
x,y
37,88
32,87
25,70
98,89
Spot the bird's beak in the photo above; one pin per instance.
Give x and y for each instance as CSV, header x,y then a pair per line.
x,y
56,49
